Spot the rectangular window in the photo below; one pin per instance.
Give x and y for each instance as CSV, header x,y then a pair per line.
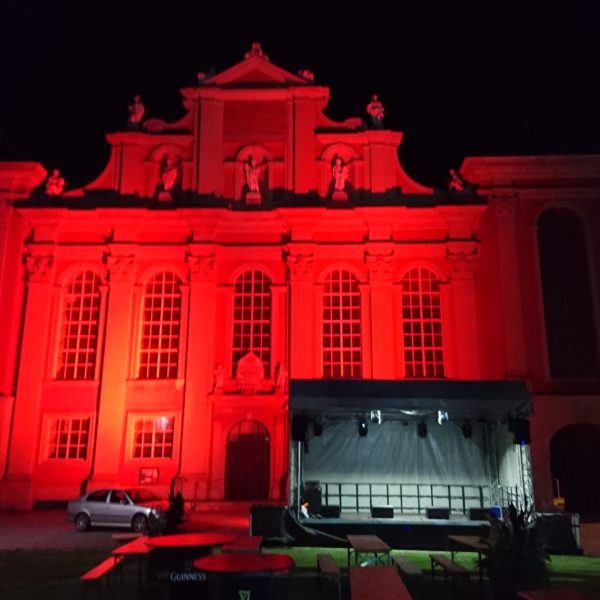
x,y
159,352
153,437
341,332
68,439
422,315
79,327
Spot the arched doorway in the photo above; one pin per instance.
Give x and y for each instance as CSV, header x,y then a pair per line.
x,y
574,452
248,458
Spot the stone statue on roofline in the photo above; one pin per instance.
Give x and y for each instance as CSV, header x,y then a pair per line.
x,y
256,50
375,110
55,183
136,112
457,183
307,75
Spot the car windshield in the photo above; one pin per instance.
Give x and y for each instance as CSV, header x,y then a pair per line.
x,y
139,496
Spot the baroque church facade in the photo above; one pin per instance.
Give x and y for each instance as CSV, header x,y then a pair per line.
x,y
153,319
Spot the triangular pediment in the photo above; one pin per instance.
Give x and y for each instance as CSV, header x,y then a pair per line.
x,y
255,69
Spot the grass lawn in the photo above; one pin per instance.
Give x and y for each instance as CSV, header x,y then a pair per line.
x,y
54,575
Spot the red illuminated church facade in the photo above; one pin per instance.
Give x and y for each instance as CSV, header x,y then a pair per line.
x,y
152,320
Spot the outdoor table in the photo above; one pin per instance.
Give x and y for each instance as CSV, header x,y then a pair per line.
x,y
382,583
136,547
552,595
367,545
471,543
232,574
175,553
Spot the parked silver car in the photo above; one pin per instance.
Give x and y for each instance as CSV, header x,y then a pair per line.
x,y
135,508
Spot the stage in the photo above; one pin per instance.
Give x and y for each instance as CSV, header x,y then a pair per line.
x,y
401,531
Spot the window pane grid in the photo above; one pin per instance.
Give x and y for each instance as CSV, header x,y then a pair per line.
x,y
79,328
422,324
161,315
342,349
252,318
153,437
68,439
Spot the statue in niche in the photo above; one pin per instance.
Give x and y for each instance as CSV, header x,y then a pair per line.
x,y
456,182
55,184
218,376
168,174
375,110
281,377
339,173
136,112
253,171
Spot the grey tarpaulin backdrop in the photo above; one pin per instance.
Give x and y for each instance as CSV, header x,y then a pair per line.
x,y
393,452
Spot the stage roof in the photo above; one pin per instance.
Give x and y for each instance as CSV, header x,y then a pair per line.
x,y
487,400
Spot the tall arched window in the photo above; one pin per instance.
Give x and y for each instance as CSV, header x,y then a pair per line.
x,y
161,324
422,324
252,317
342,354
568,305
79,327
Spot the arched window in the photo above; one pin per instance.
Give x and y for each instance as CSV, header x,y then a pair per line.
x,y
161,324
568,304
342,355
79,327
422,324
252,318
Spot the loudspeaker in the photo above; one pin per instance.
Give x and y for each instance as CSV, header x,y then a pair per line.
x,y
382,512
267,520
520,431
311,493
299,428
478,514
438,513
330,511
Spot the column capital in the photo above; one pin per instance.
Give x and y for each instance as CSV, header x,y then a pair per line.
x,y
120,267
39,268
504,205
202,267
301,267
380,265
462,258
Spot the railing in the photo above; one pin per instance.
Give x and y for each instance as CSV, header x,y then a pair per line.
x,y
413,498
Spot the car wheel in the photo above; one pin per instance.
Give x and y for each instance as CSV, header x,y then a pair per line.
x,y
139,523
82,522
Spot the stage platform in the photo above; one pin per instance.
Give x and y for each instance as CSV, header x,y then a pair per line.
x,y
407,531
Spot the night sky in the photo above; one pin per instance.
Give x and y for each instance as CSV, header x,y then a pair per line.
x,y
493,78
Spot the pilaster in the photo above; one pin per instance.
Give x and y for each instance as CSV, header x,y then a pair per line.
x,y
504,210
381,264
116,367
34,354
300,264
199,363
462,257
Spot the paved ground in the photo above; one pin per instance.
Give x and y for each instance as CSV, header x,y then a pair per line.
x,y
49,529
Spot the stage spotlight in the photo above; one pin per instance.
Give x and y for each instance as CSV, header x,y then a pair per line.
x,y
422,429
376,416
466,429
318,428
363,427
442,417
520,431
